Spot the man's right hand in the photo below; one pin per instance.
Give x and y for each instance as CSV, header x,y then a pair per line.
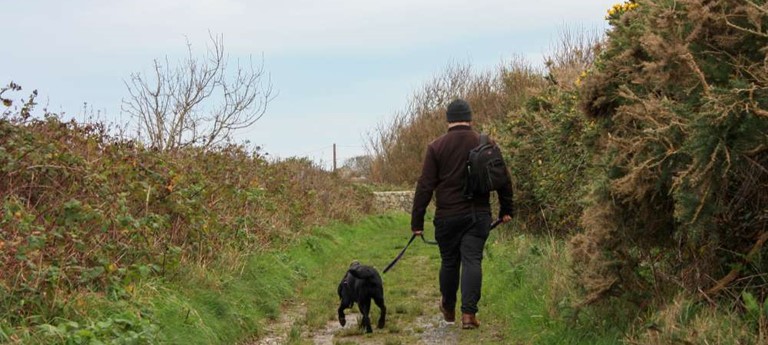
x,y
418,232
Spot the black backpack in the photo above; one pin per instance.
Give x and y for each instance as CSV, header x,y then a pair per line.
x,y
485,169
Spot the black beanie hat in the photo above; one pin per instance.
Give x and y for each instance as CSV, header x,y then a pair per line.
x,y
458,111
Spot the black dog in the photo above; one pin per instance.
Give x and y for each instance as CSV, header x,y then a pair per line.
x,y
361,284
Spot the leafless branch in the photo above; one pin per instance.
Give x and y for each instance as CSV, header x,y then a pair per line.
x,y
197,102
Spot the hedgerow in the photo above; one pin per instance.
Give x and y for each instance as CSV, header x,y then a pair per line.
x,y
678,198
84,211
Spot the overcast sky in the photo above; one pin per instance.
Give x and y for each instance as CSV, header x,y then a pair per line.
x,y
340,66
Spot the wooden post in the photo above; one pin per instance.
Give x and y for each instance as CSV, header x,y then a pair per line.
x,y
334,157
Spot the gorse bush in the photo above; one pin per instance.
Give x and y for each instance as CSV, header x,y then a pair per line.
x,y
546,139
82,211
678,198
648,151
547,156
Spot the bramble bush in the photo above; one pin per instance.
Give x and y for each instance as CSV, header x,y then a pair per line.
x,y
82,211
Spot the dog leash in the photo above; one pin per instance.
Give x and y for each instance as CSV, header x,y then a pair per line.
x,y
413,237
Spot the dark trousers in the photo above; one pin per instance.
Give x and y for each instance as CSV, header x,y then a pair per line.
x,y
461,240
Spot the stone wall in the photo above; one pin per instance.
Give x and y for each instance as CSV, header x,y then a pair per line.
x,y
388,201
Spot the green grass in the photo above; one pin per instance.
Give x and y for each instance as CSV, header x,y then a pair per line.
x,y
375,241
525,300
527,278
524,297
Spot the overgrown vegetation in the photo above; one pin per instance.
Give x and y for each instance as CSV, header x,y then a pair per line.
x,y
85,213
646,151
642,156
678,199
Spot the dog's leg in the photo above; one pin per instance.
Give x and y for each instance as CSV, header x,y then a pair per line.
x,y
365,309
347,301
383,308
342,318
345,304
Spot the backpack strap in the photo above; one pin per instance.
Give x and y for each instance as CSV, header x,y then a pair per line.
x,y
466,192
484,139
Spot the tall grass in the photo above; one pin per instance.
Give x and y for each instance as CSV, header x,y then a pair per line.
x,y
529,281
228,300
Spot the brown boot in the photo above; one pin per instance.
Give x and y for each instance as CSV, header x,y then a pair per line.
x,y
448,314
468,321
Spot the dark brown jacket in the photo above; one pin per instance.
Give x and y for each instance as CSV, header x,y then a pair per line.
x,y
443,174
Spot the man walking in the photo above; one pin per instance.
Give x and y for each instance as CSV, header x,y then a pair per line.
x,y
461,224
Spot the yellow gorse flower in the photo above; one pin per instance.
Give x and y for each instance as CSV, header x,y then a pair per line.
x,y
621,8
581,77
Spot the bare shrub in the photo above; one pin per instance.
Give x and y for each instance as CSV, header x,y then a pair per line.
x,y
571,56
173,106
398,146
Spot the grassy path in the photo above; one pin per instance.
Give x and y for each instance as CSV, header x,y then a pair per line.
x,y
288,296
526,291
411,291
